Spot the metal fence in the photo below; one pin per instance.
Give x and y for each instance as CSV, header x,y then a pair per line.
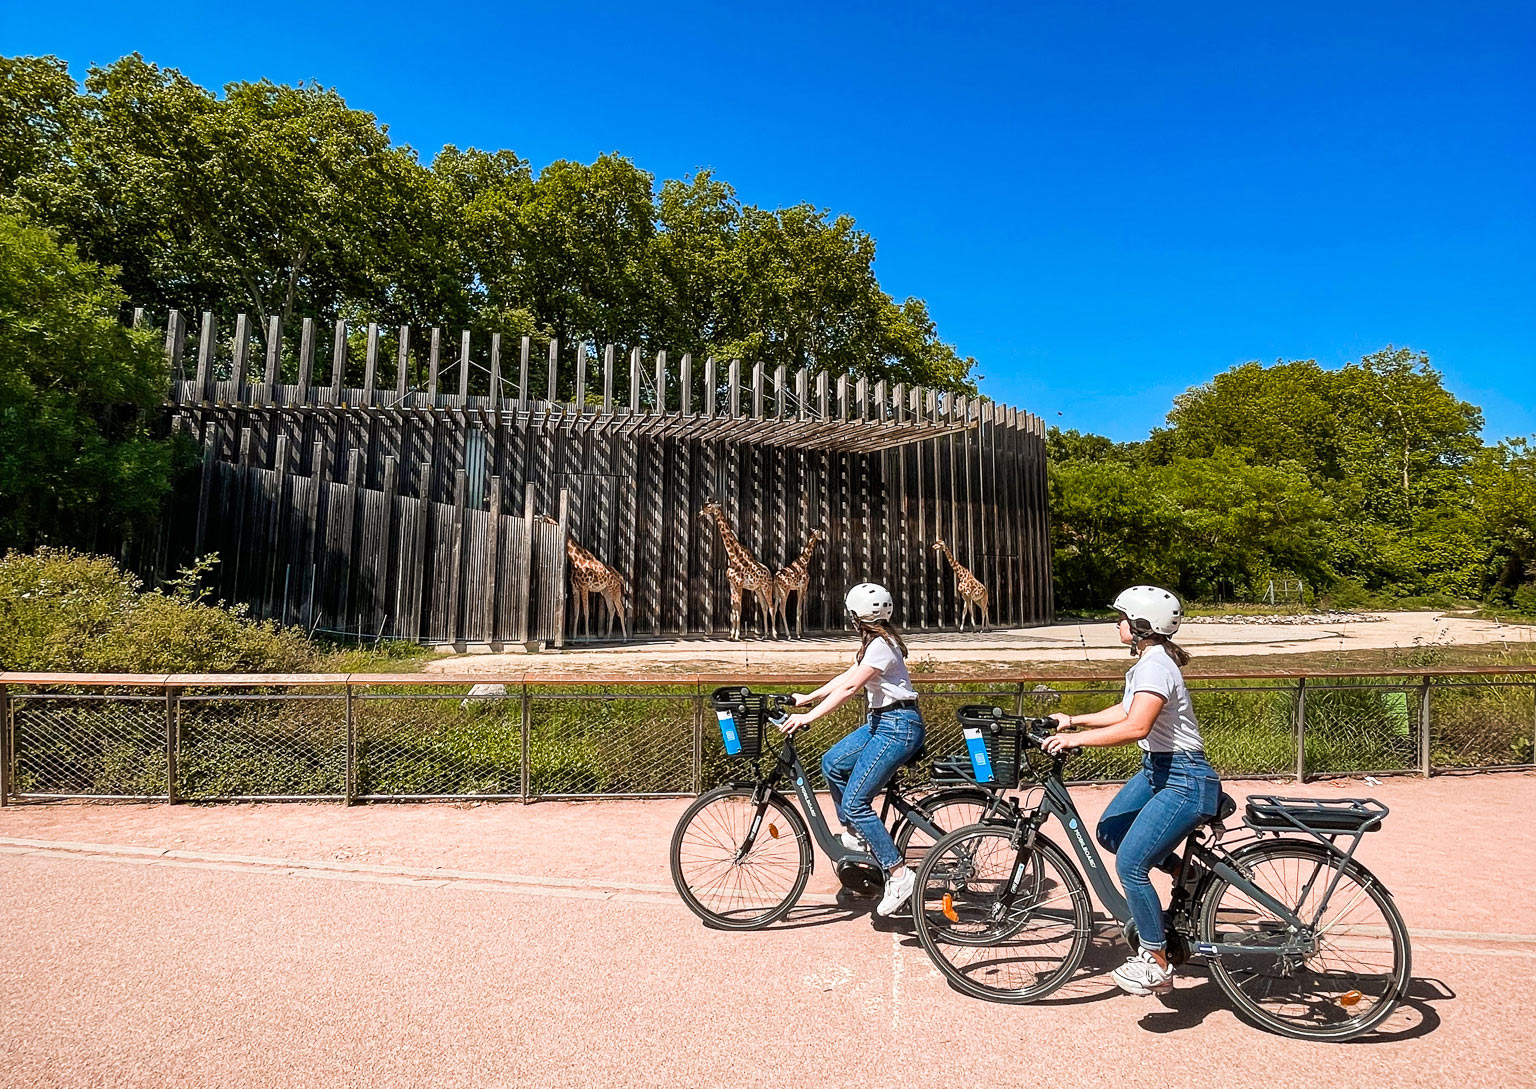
x,y
363,737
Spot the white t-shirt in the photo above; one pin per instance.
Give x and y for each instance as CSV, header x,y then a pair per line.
x,y
1175,728
891,682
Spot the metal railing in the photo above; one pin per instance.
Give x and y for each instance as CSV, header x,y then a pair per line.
x,y
367,737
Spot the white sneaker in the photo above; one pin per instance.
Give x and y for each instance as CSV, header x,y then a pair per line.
x,y
898,890
852,842
1142,975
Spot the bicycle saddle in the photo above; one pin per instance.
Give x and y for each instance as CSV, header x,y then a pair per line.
x,y
1225,807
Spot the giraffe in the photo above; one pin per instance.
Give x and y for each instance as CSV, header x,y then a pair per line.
x,y
589,575
793,580
744,572
972,592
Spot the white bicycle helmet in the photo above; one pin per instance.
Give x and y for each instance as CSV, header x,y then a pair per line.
x,y
1150,609
870,602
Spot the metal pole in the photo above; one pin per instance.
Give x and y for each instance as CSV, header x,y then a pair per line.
x,y
1299,711
527,777
1424,724
172,738
698,738
1018,702
349,790
5,745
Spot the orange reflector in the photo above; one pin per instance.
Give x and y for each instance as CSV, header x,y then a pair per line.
x,y
773,830
949,908
1350,998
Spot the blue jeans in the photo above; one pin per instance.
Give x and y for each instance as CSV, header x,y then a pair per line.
x,y
1163,802
858,767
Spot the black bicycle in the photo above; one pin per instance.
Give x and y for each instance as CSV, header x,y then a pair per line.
x,y
1303,939
741,854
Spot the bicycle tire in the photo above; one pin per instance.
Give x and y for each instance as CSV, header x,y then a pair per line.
x,y
965,806
708,876
1346,1001
992,961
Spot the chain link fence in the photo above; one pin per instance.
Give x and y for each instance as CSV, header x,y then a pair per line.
x,y
363,738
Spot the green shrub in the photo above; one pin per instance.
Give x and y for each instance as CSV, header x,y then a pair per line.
x,y
62,610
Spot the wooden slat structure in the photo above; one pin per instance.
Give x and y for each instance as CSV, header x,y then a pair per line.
x,y
400,509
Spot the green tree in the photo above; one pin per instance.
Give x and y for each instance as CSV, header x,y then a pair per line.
x,y
78,392
273,199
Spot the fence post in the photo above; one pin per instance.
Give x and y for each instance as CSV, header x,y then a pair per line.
x,y
5,745
172,738
526,778
698,736
1018,701
1424,725
349,788
1299,710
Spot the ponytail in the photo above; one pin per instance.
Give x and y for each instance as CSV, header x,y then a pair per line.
x,y
1179,655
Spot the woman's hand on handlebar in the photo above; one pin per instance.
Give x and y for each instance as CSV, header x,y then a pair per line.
x,y
1057,744
794,723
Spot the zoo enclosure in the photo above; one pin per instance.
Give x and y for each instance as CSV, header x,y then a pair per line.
x,y
365,737
344,502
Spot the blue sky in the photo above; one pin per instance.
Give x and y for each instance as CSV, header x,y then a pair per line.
x,y
1103,203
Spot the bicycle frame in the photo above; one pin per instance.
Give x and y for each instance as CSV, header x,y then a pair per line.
x,y
1057,801
787,764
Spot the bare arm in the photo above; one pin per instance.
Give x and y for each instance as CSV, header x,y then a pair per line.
x,y
834,693
826,689
1111,726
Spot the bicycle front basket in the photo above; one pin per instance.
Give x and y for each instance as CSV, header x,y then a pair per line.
x,y
741,715
995,743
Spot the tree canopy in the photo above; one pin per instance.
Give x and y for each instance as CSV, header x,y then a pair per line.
x,y
279,200
1372,474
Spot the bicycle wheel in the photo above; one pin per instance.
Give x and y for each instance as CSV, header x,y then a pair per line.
x,y
1360,969
989,948
726,887
949,809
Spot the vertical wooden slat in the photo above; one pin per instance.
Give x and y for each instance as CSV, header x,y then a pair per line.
x,y
757,391
524,354
779,406
205,353
711,381
306,360
402,364
562,580
456,559
685,383
525,585
823,396
371,363
175,343
581,377
660,405
802,393
434,364
495,394
842,398
554,370
608,353
338,361
733,390
493,588
242,359
634,381
464,368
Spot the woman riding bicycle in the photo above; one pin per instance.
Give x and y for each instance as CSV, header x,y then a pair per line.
x,y
859,766
1176,788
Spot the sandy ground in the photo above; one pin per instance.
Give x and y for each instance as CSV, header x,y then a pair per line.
x,y
508,945
1052,643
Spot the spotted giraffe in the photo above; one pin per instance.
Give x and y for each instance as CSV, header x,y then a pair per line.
x,y
793,580
972,592
743,572
589,575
